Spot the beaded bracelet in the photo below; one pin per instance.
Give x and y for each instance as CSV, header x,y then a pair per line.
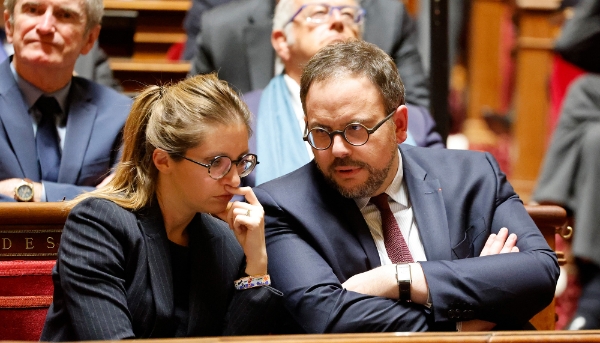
x,y
252,281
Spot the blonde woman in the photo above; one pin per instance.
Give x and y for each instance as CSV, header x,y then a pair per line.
x,y
145,256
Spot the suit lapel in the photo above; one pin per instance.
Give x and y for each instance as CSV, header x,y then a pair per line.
x,y
359,226
17,124
428,209
159,264
260,53
350,214
81,117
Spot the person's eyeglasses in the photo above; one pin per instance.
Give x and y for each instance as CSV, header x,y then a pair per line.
x,y
221,165
321,13
354,133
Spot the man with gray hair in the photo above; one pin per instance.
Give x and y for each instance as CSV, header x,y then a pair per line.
x,y
300,29
59,134
234,39
374,235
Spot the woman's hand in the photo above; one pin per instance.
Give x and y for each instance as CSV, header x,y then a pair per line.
x,y
247,220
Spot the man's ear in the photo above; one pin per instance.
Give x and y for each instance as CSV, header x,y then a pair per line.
x,y
162,161
401,121
8,26
90,39
280,44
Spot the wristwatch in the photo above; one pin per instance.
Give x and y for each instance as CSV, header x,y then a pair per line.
x,y
404,279
24,191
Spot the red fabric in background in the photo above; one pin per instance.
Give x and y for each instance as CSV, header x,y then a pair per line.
x,y
25,295
175,51
563,74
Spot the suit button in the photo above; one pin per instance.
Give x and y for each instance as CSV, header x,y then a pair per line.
x,y
451,314
459,313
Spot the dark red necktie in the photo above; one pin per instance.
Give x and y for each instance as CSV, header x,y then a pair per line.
x,y
395,245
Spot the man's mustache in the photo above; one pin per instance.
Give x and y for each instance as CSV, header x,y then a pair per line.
x,y
347,162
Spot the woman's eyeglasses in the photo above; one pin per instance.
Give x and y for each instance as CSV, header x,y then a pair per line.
x,y
221,165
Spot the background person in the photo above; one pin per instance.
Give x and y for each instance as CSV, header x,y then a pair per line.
x,y
144,257
61,133
234,40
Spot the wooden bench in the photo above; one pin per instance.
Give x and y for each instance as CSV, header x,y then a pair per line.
x,y
410,337
30,233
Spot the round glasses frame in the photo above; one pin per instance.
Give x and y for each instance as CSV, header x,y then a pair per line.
x,y
309,137
360,13
253,160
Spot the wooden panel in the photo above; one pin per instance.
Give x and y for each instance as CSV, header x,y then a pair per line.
x,y
148,5
142,32
125,64
158,37
33,213
484,75
136,74
31,231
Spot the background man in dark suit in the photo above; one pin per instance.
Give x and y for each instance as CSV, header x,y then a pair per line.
x,y
60,132
300,29
234,40
368,223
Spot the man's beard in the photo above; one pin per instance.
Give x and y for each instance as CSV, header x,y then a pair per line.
x,y
366,189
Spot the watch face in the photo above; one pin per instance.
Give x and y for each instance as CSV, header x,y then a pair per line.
x,y
25,192
404,273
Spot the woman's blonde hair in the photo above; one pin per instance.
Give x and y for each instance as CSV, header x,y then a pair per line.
x,y
173,118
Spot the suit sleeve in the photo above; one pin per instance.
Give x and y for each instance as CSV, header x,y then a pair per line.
x,y
257,311
63,191
202,62
253,311
408,60
314,294
422,127
507,289
92,274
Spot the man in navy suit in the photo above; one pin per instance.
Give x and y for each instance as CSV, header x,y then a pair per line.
x,y
374,236
59,134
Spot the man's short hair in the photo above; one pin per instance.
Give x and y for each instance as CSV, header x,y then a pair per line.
x,y
94,10
355,58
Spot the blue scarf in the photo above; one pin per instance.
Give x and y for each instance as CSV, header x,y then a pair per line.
x,y
279,143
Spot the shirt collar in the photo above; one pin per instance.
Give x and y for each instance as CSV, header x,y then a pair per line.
x,y
394,190
294,89
31,93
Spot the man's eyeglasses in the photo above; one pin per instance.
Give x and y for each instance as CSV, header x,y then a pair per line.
x,y
321,13
354,133
221,165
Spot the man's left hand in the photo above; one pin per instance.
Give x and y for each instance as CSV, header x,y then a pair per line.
x,y
500,243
